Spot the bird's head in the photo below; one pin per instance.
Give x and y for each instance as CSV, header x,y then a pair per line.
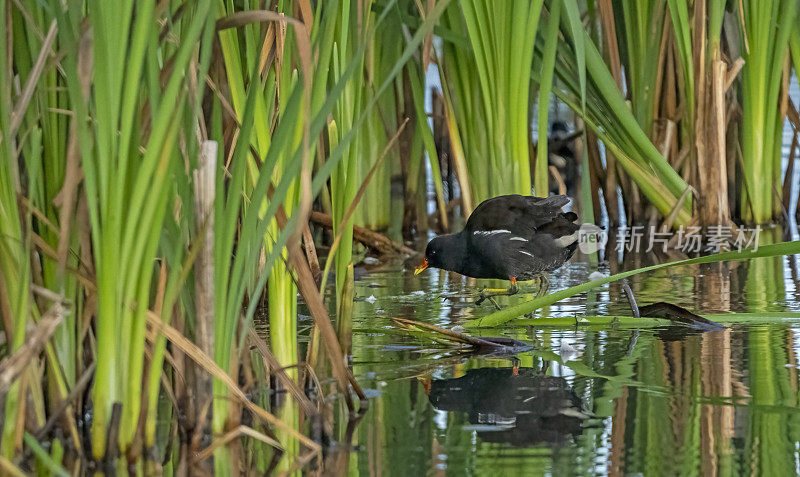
x,y
442,252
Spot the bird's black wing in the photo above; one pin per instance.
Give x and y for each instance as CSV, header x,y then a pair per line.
x,y
521,215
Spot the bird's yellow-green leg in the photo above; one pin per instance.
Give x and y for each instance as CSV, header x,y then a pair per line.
x,y
543,282
490,293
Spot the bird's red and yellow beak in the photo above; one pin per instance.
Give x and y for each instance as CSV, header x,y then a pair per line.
x,y
422,266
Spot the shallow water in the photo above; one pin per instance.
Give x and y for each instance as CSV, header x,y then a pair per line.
x,y
587,399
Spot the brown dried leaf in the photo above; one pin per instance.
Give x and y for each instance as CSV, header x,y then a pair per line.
x,y
33,79
12,366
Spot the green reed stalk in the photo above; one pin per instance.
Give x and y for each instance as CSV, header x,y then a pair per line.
x,y
176,248
573,21
456,147
607,113
679,17
350,33
127,187
281,291
416,78
643,29
33,134
767,27
344,324
14,252
545,87
374,209
457,75
45,155
502,62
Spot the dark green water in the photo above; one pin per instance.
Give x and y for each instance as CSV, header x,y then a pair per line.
x,y
587,400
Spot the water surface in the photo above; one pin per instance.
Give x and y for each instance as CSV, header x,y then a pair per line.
x,y
587,399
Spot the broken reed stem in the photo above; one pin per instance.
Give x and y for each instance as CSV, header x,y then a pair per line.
x,y
204,190
311,255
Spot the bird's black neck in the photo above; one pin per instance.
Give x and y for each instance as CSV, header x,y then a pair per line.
x,y
456,258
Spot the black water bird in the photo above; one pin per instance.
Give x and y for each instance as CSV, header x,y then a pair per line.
x,y
510,237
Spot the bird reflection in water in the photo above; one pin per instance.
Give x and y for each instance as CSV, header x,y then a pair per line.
x,y
527,408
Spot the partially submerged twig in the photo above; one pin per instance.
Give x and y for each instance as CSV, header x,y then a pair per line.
x,y
493,344
371,239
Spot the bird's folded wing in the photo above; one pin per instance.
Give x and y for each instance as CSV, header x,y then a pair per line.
x,y
503,248
520,215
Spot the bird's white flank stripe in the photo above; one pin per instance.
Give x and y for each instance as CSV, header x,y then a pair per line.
x,y
526,253
492,232
518,238
567,240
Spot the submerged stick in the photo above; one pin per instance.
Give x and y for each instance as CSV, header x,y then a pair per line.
x,y
678,314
